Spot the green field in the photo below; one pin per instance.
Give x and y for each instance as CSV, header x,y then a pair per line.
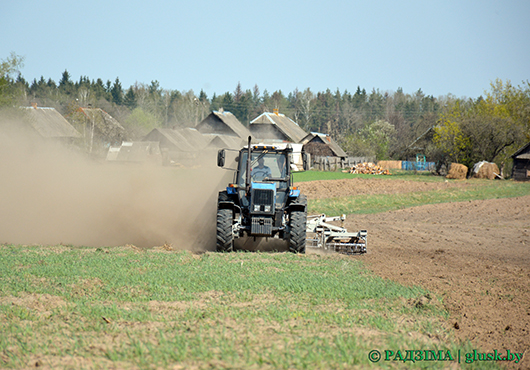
x,y
474,189
123,307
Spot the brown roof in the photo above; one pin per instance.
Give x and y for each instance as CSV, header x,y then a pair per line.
x,y
225,141
194,137
223,123
107,126
50,124
174,138
282,123
316,137
523,152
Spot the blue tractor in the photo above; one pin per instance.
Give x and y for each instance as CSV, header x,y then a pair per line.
x,y
261,201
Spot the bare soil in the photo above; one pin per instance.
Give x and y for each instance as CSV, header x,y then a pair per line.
x,y
361,186
474,255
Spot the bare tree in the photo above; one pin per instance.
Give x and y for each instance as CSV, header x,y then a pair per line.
x,y
352,119
306,106
187,110
166,101
84,95
142,93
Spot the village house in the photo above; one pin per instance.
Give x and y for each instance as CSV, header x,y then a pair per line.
x,y
50,124
276,127
521,164
99,129
322,145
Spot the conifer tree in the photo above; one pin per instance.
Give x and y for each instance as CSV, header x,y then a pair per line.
x,y
117,92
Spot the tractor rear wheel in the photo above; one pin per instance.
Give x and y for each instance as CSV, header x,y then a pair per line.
x,y
225,239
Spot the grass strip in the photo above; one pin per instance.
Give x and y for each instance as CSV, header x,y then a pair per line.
x,y
376,203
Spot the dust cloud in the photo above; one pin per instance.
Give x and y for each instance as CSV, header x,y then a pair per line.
x,y
51,194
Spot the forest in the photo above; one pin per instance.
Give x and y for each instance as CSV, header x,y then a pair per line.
x,y
385,124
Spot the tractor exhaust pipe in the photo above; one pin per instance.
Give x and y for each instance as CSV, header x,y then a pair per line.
x,y
249,160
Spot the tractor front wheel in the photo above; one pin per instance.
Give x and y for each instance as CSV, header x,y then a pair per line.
x,y
297,239
225,239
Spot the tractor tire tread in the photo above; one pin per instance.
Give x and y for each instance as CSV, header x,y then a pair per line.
x,y
298,220
225,239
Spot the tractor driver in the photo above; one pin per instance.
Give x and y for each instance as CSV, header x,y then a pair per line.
x,y
261,171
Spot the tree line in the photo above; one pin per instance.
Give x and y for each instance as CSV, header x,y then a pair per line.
x,y
388,125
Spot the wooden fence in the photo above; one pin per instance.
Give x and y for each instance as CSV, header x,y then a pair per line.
x,y
335,163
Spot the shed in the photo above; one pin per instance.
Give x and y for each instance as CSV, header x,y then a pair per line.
x,y
322,145
276,126
223,123
521,164
136,151
51,124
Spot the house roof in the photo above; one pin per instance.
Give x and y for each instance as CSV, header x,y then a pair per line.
x,y
523,153
194,137
50,124
174,137
232,125
225,141
283,123
107,125
325,139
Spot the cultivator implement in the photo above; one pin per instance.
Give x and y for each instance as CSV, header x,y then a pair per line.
x,y
324,235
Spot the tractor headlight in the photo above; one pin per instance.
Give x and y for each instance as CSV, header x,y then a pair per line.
x,y
267,208
256,207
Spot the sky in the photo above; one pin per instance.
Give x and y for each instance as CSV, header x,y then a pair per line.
x,y
444,47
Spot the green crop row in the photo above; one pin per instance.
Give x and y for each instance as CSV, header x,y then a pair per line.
x,y
118,307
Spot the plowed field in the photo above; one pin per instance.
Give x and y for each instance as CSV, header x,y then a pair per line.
x,y
475,255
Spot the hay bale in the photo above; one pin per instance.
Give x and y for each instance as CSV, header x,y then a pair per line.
x,y
457,171
485,170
